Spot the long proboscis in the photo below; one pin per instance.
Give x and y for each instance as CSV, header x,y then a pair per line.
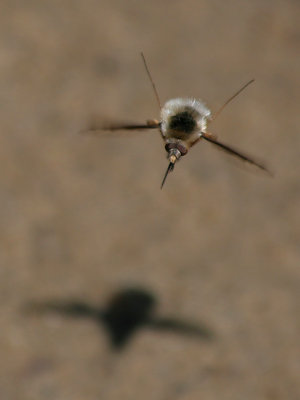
x,y
169,169
237,153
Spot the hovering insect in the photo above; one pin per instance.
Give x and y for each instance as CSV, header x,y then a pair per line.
x,y
183,122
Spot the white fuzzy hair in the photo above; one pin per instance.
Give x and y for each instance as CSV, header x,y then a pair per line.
x,y
175,106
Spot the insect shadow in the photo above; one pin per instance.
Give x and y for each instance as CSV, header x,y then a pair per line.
x,y
127,311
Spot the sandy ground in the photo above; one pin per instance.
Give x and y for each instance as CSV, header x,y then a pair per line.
x,y
111,288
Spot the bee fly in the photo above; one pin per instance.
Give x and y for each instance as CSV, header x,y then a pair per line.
x,y
183,122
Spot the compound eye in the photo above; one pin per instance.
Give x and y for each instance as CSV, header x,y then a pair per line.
x,y
183,150
170,146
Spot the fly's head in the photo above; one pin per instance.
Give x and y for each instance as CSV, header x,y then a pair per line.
x,y
175,150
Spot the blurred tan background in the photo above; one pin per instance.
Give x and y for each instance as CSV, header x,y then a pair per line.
x,y
83,217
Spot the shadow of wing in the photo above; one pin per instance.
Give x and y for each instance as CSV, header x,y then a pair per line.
x,y
181,327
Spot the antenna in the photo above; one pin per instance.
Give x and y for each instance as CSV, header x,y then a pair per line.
x,y
151,80
231,98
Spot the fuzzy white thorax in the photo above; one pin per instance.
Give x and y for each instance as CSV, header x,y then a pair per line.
x,y
174,106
